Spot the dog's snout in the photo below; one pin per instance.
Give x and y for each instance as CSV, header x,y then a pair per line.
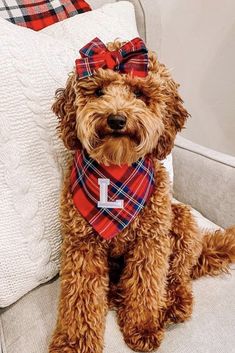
x,y
116,122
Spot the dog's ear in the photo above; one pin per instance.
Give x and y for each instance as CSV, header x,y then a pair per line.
x,y
174,120
175,114
65,108
153,63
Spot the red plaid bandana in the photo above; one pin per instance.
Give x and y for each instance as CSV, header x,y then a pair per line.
x,y
110,197
39,14
131,58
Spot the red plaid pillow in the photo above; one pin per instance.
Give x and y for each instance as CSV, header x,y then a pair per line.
x,y
38,14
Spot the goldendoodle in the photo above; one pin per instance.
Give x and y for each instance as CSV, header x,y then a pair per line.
x,y
124,242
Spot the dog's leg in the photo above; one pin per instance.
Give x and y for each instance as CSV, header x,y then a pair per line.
x,y
186,247
83,299
142,290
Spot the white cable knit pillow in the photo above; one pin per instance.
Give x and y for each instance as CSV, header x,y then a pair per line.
x,y
32,66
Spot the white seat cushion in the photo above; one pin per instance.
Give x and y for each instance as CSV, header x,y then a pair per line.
x,y
27,325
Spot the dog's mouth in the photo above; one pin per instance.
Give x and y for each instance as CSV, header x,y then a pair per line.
x,y
112,146
112,134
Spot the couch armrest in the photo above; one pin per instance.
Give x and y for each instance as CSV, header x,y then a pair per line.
x,y
150,27
205,179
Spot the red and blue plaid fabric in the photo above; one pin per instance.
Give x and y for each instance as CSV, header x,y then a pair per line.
x,y
39,14
131,58
132,184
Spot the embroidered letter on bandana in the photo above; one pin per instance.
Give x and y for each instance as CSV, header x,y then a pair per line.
x,y
110,197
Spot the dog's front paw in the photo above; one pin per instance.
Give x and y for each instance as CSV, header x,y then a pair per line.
x,y
60,344
145,339
82,343
181,306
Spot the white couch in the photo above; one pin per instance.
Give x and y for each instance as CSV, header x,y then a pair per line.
x,y
203,178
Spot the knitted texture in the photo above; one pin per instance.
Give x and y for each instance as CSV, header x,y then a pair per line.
x,y
32,66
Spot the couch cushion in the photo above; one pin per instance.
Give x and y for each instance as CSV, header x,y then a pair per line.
x,y
27,325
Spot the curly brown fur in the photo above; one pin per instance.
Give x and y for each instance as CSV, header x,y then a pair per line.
x,y
153,119
218,251
186,242
84,284
156,255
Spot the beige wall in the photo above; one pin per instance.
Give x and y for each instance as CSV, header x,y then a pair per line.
x,y
198,44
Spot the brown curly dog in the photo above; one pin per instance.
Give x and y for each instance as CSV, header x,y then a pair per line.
x,y
146,270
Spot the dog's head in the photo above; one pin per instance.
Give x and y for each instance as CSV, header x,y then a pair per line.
x,y
119,118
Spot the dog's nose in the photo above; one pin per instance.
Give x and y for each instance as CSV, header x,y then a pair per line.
x,y
116,122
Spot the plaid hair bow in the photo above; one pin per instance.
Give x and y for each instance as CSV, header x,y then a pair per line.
x,y
131,58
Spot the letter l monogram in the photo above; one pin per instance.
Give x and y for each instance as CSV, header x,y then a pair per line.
x,y
103,202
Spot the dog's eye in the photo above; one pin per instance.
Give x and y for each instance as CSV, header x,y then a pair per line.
x,y
138,93
99,92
